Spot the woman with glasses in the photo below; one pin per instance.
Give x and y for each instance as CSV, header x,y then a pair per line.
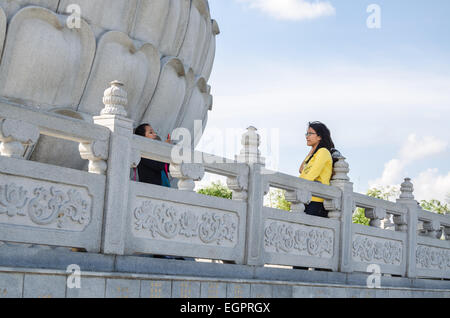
x,y
318,165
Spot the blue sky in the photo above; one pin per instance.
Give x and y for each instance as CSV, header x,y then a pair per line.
x,y
384,93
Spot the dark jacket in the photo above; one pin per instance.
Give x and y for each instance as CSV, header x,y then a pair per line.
x,y
150,171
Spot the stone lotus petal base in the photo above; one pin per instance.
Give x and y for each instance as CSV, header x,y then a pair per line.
x,y
162,50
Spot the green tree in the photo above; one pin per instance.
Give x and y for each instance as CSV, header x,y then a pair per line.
x,y
435,206
217,189
276,199
388,193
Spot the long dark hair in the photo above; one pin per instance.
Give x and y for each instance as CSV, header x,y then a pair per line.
x,y
326,141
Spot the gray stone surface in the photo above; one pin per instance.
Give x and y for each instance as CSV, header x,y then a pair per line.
x,y
319,292
11,285
261,291
361,293
213,290
122,288
148,265
91,287
44,286
172,28
54,259
53,284
156,289
185,289
282,291
238,290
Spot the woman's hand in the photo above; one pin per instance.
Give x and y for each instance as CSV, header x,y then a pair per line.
x,y
169,141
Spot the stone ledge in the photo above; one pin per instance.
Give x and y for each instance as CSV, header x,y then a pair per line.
x,y
39,283
39,261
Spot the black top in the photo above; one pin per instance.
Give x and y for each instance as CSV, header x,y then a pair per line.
x,y
150,171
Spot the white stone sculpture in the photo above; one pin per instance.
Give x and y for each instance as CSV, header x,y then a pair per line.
x,y
161,50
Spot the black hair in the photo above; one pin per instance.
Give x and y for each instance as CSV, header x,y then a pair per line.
x,y
326,141
140,130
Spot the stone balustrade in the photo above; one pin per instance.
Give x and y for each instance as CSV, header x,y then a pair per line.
x,y
44,204
103,211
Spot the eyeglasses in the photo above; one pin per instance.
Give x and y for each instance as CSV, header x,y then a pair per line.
x,y
310,134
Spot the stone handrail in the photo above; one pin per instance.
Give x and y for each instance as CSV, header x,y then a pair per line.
x,y
115,215
44,204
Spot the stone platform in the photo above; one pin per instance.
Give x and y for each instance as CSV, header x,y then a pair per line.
x,y
42,273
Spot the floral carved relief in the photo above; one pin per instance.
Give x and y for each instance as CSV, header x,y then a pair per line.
x,y
367,249
44,206
432,258
286,238
170,222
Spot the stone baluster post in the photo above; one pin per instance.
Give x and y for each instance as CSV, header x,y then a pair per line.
x,y
239,186
298,200
343,211
15,136
376,216
447,233
97,154
251,155
433,228
187,173
408,223
121,158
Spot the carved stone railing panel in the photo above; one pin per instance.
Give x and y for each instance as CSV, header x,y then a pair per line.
x,y
432,253
47,205
172,222
371,245
299,240
30,203
166,221
432,258
377,250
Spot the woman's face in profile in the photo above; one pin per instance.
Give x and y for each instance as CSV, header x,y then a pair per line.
x,y
312,139
150,133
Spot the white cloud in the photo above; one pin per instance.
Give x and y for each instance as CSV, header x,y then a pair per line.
x,y
380,104
392,173
416,149
370,109
292,10
430,185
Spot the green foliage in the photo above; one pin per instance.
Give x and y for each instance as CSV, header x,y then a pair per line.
x,y
217,189
435,206
389,193
359,217
277,200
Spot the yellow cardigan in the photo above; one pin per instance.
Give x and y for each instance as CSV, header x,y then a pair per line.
x,y
319,168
